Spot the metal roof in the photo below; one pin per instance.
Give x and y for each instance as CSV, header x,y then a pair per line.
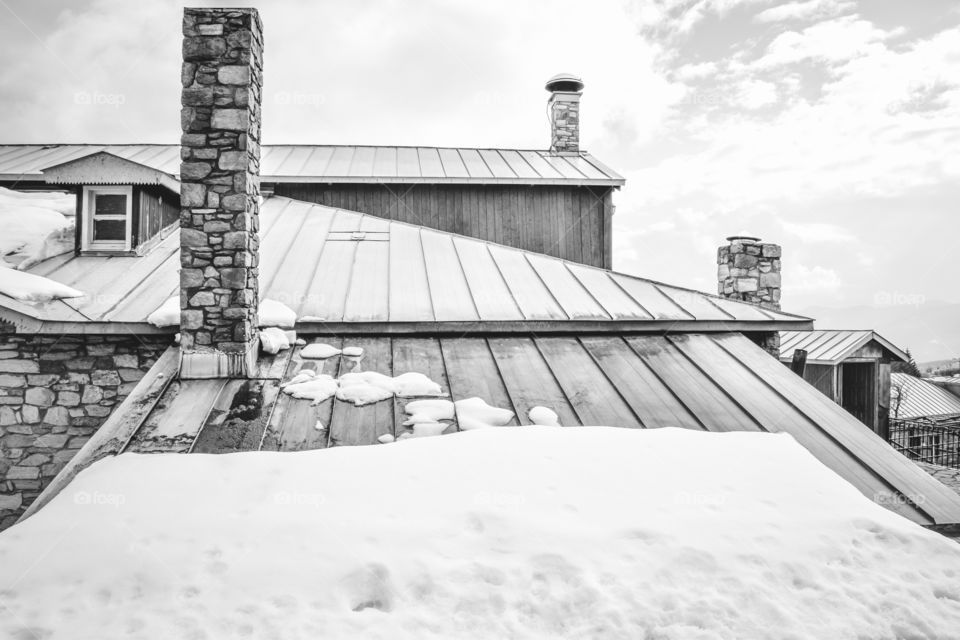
x,y
714,382
345,164
832,346
920,398
338,269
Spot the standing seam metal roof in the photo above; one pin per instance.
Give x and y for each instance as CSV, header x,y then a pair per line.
x,y
920,398
831,346
346,164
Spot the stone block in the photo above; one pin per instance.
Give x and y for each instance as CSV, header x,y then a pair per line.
x,y
230,119
233,278
194,170
17,441
130,375
192,194
191,319
68,398
29,414
771,279
23,473
12,381
744,261
39,396
8,417
193,238
34,460
10,502
745,285
235,202
104,377
42,380
233,161
126,361
51,440
770,250
234,74
19,366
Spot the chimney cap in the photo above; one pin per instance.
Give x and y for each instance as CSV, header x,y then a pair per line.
x,y
564,82
743,239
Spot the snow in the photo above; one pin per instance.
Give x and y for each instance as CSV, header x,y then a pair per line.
x,y
353,352
475,413
428,411
167,314
28,287
427,429
532,532
544,416
276,314
412,384
302,376
318,388
274,340
385,438
319,351
365,387
36,225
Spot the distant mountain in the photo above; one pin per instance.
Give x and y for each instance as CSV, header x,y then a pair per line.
x,y
931,330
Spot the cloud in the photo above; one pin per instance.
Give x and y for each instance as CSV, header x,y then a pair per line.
x,y
818,232
798,278
809,10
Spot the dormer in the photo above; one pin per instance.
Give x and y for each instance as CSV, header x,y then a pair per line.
x,y
123,207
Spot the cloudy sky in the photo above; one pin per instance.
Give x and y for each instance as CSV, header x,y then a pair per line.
x,y
829,126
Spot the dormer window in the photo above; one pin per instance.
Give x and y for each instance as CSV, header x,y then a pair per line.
x,y
107,223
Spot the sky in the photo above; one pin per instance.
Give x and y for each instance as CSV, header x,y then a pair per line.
x,y
828,126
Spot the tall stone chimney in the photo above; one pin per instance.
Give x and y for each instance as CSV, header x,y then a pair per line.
x,y
749,270
220,191
564,105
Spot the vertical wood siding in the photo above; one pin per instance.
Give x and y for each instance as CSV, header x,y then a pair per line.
x,y
573,223
154,210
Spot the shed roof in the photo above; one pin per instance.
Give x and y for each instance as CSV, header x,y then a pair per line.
x,y
832,346
341,270
346,163
715,382
920,398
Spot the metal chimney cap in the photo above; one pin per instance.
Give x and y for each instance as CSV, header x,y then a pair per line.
x,y
743,239
564,82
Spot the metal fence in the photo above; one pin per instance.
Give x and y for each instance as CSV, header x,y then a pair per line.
x,y
931,440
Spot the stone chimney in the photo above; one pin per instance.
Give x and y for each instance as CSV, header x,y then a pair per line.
x,y
564,105
749,270
220,191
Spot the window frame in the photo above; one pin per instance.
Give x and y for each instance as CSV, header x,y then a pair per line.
x,y
90,194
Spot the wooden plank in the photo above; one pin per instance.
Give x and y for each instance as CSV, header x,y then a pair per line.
x,y
409,294
614,299
238,417
576,300
451,296
472,372
651,400
420,355
177,418
900,474
292,425
272,366
593,397
367,298
490,292
529,380
699,393
352,425
534,299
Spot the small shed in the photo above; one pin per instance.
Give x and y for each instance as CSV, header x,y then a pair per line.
x,y
850,367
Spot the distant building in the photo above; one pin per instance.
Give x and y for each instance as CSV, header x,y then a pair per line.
x,y
852,368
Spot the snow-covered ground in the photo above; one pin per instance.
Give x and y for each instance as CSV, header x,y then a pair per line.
x,y
532,532
35,226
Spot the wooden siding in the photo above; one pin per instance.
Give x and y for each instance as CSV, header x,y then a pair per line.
x,y
823,378
154,210
573,223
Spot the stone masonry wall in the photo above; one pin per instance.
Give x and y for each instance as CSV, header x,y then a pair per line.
x,y
749,270
220,188
565,122
55,391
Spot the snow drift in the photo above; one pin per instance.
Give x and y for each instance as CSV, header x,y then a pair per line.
x,y
36,225
532,532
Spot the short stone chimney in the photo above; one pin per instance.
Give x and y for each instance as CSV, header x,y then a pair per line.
x,y
220,191
564,105
749,270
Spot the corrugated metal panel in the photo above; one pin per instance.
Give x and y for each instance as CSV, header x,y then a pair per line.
x,y
714,382
396,272
831,346
916,398
349,164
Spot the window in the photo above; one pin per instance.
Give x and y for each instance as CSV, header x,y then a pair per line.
x,y
106,218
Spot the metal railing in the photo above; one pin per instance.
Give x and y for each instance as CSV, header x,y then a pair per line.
x,y
930,440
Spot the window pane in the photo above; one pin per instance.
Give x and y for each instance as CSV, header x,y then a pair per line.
x,y
109,230
111,204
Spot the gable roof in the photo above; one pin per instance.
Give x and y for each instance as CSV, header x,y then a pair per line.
x,y
346,163
104,167
832,346
718,382
340,270
920,398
